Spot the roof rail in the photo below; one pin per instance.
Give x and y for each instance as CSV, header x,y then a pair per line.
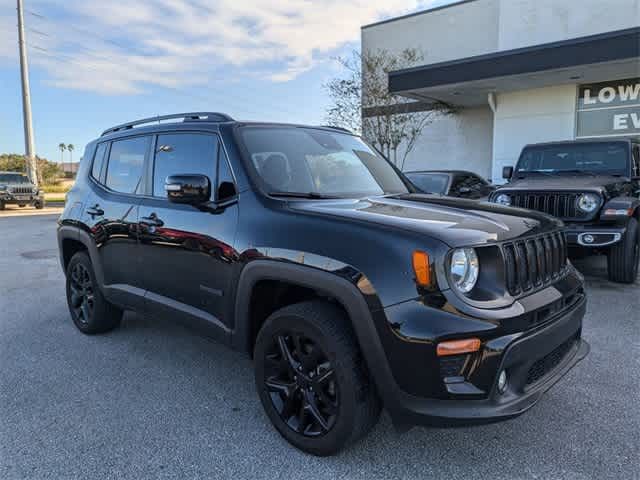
x,y
186,117
341,129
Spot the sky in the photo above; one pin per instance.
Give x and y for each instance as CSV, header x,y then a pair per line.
x,y
94,64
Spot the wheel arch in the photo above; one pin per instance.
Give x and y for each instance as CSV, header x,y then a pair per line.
x,y
346,294
72,239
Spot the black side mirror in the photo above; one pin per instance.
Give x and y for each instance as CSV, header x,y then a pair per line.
x,y
190,189
507,173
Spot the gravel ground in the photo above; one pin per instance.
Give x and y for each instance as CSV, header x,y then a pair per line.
x,y
153,400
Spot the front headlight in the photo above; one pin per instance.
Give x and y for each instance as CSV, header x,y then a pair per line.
x,y
464,269
588,202
503,199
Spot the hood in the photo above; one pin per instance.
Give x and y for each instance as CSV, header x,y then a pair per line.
x,y
454,221
596,183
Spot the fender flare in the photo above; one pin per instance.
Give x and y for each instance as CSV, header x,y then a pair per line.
x,y
344,291
70,232
622,203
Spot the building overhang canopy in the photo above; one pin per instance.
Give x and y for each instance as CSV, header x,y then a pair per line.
x,y
468,81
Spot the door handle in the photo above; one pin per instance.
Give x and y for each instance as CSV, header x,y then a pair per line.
x,y
151,221
95,211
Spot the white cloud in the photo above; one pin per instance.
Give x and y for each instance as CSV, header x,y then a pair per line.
x,y
120,46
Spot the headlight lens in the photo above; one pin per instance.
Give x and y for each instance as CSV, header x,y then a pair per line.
x,y
588,202
464,269
503,199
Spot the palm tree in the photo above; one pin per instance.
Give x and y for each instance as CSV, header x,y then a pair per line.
x,y
62,148
70,147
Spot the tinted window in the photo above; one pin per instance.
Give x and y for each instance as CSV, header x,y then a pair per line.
x,y
468,186
98,161
126,161
303,160
184,153
13,178
430,182
596,157
226,186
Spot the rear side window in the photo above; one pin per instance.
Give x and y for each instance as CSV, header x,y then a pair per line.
x,y
98,161
126,163
184,153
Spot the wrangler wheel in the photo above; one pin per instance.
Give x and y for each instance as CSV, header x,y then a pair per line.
x,y
312,380
624,256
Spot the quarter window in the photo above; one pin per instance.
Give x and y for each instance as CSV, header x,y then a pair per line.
x,y
98,161
184,153
126,162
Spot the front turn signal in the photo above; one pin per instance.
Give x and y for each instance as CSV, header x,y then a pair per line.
x,y
422,269
457,347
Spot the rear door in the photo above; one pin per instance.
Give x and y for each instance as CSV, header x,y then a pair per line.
x,y
111,214
187,252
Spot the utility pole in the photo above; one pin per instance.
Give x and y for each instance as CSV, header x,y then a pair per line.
x,y
29,143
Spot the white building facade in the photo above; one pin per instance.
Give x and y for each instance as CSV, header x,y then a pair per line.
x,y
517,72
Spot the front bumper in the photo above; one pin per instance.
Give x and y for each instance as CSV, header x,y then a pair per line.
x,y
534,361
593,236
19,199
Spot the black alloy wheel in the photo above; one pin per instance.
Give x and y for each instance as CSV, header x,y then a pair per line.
x,y
82,293
301,383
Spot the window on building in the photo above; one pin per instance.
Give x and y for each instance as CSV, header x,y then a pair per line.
x,y
126,163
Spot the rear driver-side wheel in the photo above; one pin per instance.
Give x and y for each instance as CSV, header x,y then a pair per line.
x,y
312,380
90,311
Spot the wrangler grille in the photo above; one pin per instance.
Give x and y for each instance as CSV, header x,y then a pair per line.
x,y
534,262
21,190
561,205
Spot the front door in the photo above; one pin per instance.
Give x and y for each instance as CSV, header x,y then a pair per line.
x,y
187,253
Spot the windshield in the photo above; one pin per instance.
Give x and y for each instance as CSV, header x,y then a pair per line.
x,y
292,160
13,178
430,182
606,158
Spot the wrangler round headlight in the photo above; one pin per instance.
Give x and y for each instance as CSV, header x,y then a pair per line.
x,y
503,199
464,269
588,202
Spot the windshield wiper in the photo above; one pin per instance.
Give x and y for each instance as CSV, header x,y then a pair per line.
x,y
301,195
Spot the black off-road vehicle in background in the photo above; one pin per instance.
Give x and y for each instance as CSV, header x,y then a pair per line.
x,y
306,249
593,186
17,189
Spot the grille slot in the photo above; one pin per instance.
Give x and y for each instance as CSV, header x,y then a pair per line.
x,y
549,362
21,190
561,205
534,262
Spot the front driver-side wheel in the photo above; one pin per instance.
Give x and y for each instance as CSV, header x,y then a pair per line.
x,y
624,256
312,380
90,311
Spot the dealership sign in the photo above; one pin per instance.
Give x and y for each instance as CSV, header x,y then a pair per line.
x,y
609,109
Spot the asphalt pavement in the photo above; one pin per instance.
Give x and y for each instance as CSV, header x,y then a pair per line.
x,y
154,400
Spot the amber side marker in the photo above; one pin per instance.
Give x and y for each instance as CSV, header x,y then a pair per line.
x,y
421,268
457,347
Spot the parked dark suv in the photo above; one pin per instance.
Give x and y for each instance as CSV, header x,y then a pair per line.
x,y
17,189
593,186
305,248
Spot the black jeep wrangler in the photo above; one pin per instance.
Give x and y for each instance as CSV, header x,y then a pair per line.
x,y
17,189
593,186
305,248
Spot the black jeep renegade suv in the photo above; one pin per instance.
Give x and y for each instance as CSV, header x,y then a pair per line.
x,y
594,187
305,248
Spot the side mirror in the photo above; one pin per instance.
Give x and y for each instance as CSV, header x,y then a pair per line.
x,y
507,173
190,189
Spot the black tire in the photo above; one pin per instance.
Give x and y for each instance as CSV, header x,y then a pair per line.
x,y
344,396
2,205
22,205
90,311
39,204
624,256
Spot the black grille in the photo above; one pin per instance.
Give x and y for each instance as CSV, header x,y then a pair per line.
x,y
549,362
21,190
561,205
534,262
